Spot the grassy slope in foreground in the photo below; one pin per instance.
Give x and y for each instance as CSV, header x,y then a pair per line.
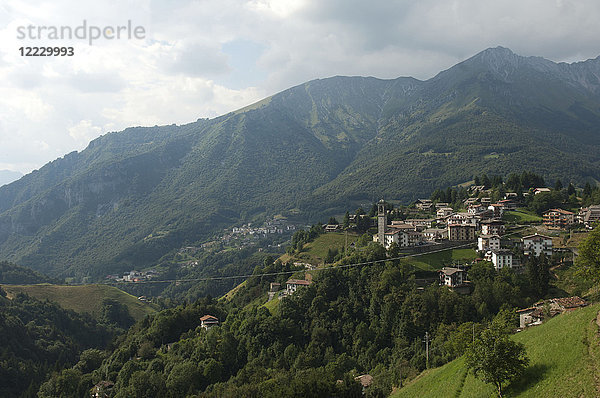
x,y
564,355
86,298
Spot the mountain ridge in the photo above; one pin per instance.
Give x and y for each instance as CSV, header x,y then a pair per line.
x,y
325,145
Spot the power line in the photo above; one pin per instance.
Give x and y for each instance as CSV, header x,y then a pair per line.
x,y
217,278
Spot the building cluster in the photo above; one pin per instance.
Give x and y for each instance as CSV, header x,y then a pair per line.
x,y
588,216
134,276
481,218
247,234
241,236
275,226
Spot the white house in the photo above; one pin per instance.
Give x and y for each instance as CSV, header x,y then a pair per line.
x,y
293,284
444,212
208,321
475,209
452,277
502,259
488,242
537,244
540,190
462,218
433,234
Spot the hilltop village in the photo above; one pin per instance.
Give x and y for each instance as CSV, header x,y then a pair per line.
x,y
504,232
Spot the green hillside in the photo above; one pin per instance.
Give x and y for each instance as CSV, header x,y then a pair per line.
x,y
315,252
313,150
87,298
565,362
435,261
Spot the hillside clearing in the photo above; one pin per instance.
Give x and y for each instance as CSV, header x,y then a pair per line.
x,y
83,299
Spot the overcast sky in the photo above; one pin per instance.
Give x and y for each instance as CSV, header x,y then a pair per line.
x,y
205,58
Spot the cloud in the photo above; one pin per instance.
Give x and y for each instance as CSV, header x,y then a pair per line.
x,y
196,59
96,82
84,131
206,58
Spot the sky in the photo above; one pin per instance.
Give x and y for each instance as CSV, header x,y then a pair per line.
x,y
204,58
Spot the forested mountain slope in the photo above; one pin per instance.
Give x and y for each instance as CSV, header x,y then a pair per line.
x,y
134,195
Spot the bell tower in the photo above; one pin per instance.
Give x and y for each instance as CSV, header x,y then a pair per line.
x,y
381,222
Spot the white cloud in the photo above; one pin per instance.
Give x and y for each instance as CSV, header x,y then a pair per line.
x,y
205,58
84,131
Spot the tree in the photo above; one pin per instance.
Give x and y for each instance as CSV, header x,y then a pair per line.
x,y
363,223
485,181
346,221
588,261
538,274
116,313
587,189
495,358
558,186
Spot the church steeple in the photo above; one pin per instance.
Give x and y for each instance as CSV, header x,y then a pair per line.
x,y
381,222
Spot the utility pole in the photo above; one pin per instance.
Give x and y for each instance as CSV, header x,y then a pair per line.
x,y
346,244
427,349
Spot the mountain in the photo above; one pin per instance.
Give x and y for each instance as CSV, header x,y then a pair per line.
x,y
323,146
8,176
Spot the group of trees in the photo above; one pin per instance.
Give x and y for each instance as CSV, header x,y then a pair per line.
x,y
350,321
38,337
302,237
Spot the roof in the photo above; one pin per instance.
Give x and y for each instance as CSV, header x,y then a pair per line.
x,y
434,230
536,236
364,380
450,270
525,310
209,318
298,282
105,384
400,225
494,221
570,302
490,236
561,211
418,220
